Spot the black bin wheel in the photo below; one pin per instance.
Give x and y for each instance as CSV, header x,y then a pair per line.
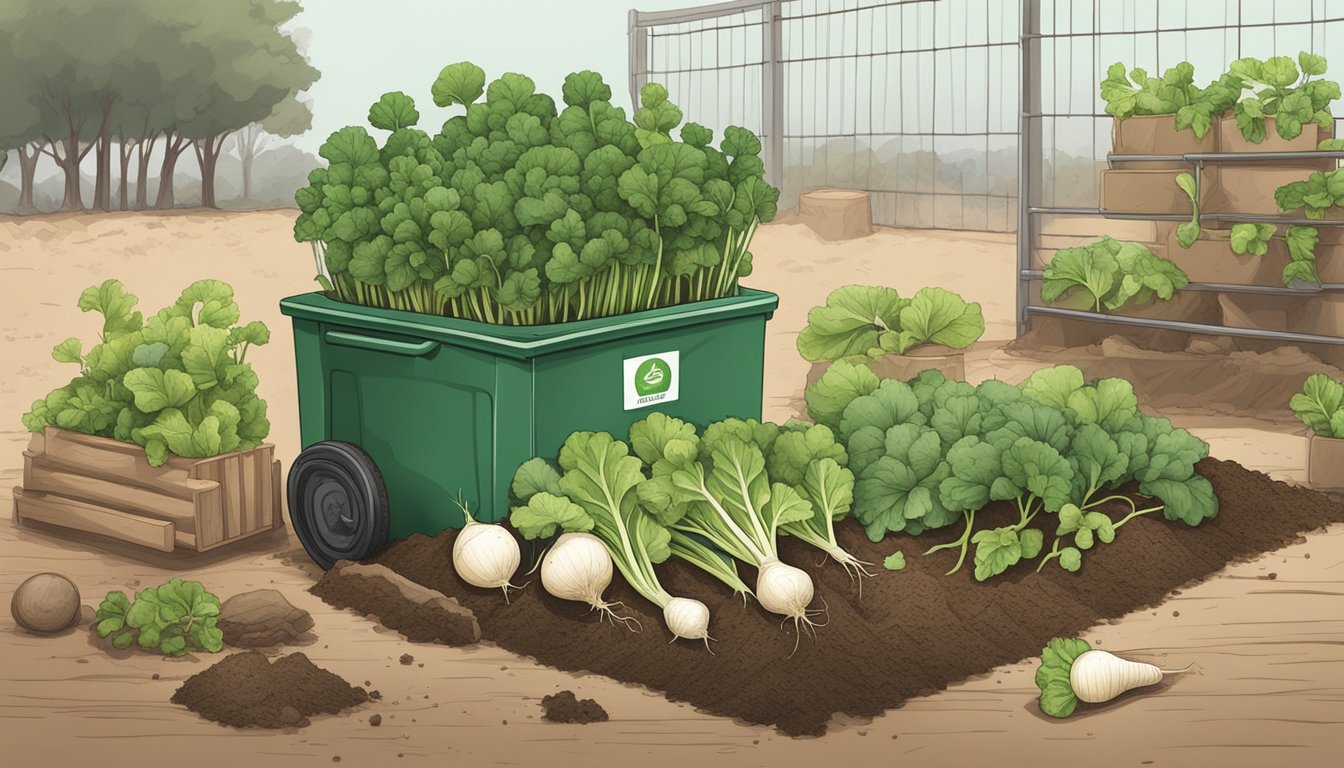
x,y
338,503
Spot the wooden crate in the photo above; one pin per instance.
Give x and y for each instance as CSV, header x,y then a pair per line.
x,y
105,487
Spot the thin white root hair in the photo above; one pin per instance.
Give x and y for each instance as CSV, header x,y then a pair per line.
x,y
514,587
607,612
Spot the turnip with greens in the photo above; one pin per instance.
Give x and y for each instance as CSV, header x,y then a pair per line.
x,y
1071,671
578,567
597,492
808,458
716,487
485,555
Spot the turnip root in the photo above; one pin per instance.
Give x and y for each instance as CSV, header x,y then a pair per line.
x,y
578,567
1071,672
485,555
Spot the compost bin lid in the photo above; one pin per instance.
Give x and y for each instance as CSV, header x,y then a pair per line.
x,y
528,341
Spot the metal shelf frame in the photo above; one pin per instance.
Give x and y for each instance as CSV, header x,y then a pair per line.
x,y
1030,155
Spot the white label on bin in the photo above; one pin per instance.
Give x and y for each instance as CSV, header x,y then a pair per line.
x,y
651,379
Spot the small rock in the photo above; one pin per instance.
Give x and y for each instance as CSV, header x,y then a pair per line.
x,y
262,618
1175,613
1272,576
375,720
154,676
376,695
407,658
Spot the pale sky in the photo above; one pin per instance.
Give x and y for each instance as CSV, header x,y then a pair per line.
x,y
365,48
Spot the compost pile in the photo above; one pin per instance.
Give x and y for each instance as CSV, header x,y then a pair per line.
x,y
246,690
914,631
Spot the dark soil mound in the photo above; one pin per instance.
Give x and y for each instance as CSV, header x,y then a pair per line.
x,y
913,632
246,690
565,707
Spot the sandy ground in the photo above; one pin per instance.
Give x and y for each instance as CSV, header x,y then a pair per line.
x,y
1269,682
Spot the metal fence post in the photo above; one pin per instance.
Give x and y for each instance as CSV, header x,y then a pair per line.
x,y
772,91
1029,152
639,58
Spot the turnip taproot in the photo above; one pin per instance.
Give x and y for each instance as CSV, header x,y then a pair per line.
x,y
485,555
1071,671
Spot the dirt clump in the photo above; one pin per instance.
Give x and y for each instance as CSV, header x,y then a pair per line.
x,y
912,633
565,707
246,690
407,659
261,618
419,613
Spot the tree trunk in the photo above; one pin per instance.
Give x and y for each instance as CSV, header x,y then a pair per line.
x,y
174,146
207,156
145,151
67,155
28,156
250,141
102,180
124,151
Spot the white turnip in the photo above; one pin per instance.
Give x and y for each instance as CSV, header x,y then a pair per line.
x,y
1098,676
485,555
578,567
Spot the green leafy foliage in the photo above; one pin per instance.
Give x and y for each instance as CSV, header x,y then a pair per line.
x,y
522,211
932,452
1251,238
1281,91
1320,405
1110,273
1052,676
177,383
174,618
873,321
1135,92
894,561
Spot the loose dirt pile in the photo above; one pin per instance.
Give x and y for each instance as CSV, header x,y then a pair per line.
x,y
565,707
419,613
246,690
912,633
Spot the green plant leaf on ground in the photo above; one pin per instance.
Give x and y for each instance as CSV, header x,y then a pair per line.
x,y
894,562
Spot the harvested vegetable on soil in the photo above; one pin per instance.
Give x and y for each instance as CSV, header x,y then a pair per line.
x,y
173,618
917,632
486,555
807,458
246,690
565,707
1071,671
716,487
599,495
45,603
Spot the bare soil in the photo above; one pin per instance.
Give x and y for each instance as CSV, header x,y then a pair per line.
x,y
1269,686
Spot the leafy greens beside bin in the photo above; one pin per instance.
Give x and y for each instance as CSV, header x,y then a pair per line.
x,y
177,383
516,213
932,452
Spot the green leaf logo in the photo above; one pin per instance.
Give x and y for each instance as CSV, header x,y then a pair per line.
x,y
652,377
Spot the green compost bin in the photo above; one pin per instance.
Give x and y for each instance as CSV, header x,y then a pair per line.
x,y
446,406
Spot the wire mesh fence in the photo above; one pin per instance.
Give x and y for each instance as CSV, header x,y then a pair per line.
x,y
1066,136
913,101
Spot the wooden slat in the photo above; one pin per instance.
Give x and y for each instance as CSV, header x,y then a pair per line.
x,y
251,513
233,507
210,518
120,462
38,476
277,503
91,518
61,440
